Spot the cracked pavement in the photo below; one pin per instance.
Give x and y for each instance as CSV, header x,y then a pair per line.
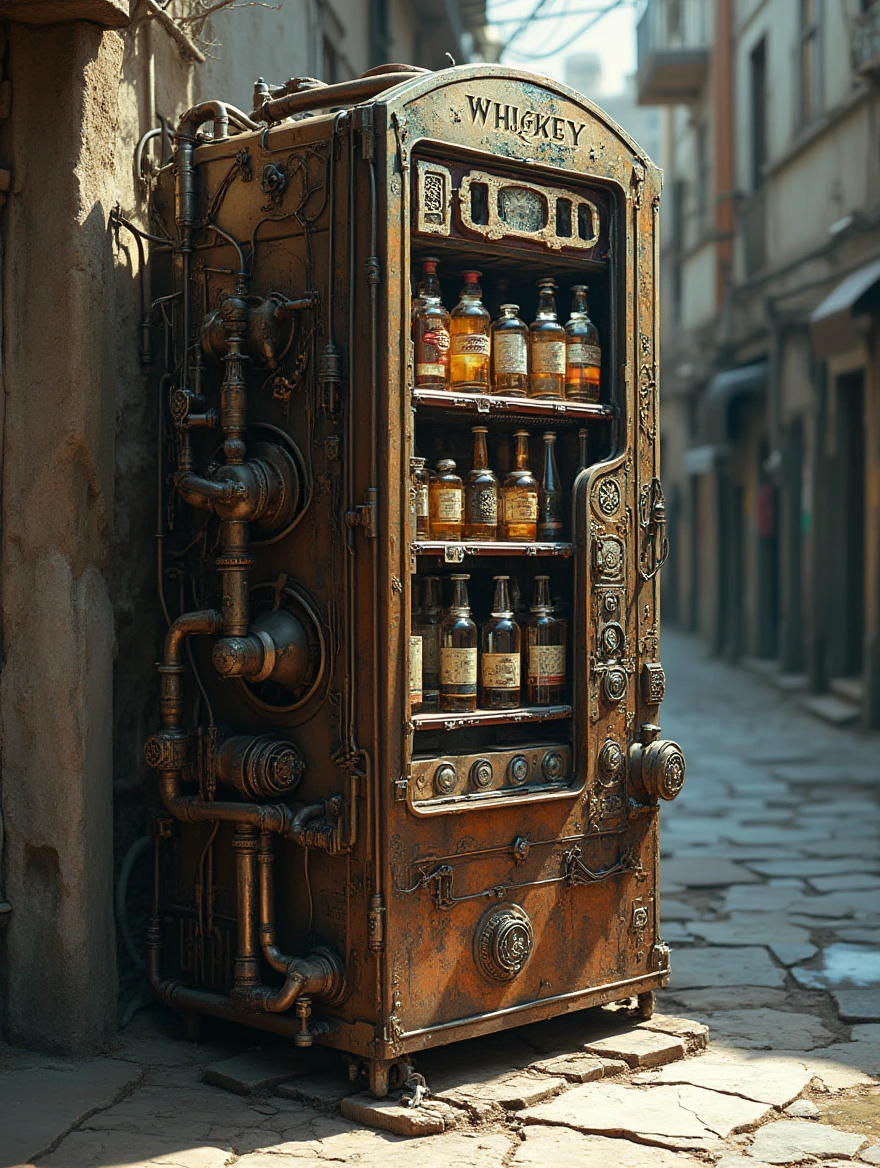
x,y
771,905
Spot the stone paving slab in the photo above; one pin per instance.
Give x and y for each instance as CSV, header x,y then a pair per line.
x,y
761,1077
431,1118
764,1029
552,1147
40,1103
708,873
684,1118
452,1149
843,965
708,1001
323,1092
640,1048
577,1067
93,1149
789,1141
695,1035
713,966
257,1070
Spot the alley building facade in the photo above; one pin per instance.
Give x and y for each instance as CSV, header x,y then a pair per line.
x,y
771,348
88,91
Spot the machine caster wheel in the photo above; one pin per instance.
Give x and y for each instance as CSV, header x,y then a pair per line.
x,y
646,1005
378,1073
191,1025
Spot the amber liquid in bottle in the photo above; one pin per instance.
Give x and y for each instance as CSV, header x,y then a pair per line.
x,y
419,482
469,326
458,654
583,356
519,496
546,347
429,628
481,493
501,654
510,353
416,692
446,502
545,650
550,495
430,332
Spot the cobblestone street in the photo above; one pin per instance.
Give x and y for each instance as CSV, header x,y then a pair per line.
x,y
771,905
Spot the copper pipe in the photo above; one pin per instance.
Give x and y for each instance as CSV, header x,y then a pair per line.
x,y
265,864
172,667
347,93
247,960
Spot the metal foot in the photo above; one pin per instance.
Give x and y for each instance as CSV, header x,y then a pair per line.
x,y
646,1005
378,1072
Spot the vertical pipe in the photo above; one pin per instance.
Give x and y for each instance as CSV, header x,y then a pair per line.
x,y
247,962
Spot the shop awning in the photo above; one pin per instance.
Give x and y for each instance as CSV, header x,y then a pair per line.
x,y
832,324
724,388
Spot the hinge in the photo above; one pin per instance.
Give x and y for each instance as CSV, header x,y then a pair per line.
x,y
367,514
376,922
400,785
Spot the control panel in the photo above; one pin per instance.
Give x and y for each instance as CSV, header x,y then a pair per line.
x,y
473,779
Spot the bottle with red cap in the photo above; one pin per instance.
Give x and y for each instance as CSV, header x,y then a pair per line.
x,y
469,328
430,332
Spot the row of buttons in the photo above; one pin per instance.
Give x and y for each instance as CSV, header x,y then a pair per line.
x,y
482,772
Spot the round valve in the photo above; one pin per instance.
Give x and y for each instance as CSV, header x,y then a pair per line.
x,y
614,685
661,769
481,773
444,778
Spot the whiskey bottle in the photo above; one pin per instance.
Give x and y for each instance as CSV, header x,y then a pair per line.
x,y
469,326
510,353
458,654
419,481
583,357
546,347
429,628
480,493
431,332
445,502
519,496
583,449
416,693
501,654
550,494
545,650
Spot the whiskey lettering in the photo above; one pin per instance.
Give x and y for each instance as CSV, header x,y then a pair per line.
x,y
470,344
524,123
501,670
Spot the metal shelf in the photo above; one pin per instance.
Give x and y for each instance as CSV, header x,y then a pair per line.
x,y
437,720
512,408
455,552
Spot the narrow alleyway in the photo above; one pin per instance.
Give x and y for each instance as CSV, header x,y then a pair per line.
x,y
771,886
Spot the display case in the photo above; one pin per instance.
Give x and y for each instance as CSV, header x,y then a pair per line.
x,y
351,853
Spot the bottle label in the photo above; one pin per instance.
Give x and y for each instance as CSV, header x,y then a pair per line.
x,y
578,354
415,669
482,506
421,501
501,670
431,652
447,504
458,671
511,353
470,345
430,369
548,357
547,665
520,506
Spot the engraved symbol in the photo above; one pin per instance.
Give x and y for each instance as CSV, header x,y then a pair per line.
x,y
609,497
640,917
612,639
614,684
518,770
444,779
612,602
673,774
553,765
434,194
481,773
503,943
610,763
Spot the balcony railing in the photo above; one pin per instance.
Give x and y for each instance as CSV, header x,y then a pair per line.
x,y
673,51
865,43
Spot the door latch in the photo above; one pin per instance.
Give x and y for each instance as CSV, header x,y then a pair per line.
x,y
366,515
652,520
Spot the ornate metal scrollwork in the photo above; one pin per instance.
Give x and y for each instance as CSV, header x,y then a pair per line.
x,y
652,521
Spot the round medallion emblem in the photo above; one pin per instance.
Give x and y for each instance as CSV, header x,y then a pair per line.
x,y
503,943
609,497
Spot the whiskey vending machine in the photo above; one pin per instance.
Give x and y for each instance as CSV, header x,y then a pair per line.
x,y
410,530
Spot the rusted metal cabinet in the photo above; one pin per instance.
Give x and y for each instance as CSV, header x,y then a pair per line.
x,y
335,866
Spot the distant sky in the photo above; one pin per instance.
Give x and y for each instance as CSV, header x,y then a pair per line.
x,y
545,44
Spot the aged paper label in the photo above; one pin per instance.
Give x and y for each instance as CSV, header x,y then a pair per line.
x,y
470,345
520,506
548,357
547,664
458,670
415,669
511,353
447,504
501,670
579,354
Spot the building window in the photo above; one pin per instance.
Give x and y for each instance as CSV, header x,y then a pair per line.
x,y
758,99
810,71
331,61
